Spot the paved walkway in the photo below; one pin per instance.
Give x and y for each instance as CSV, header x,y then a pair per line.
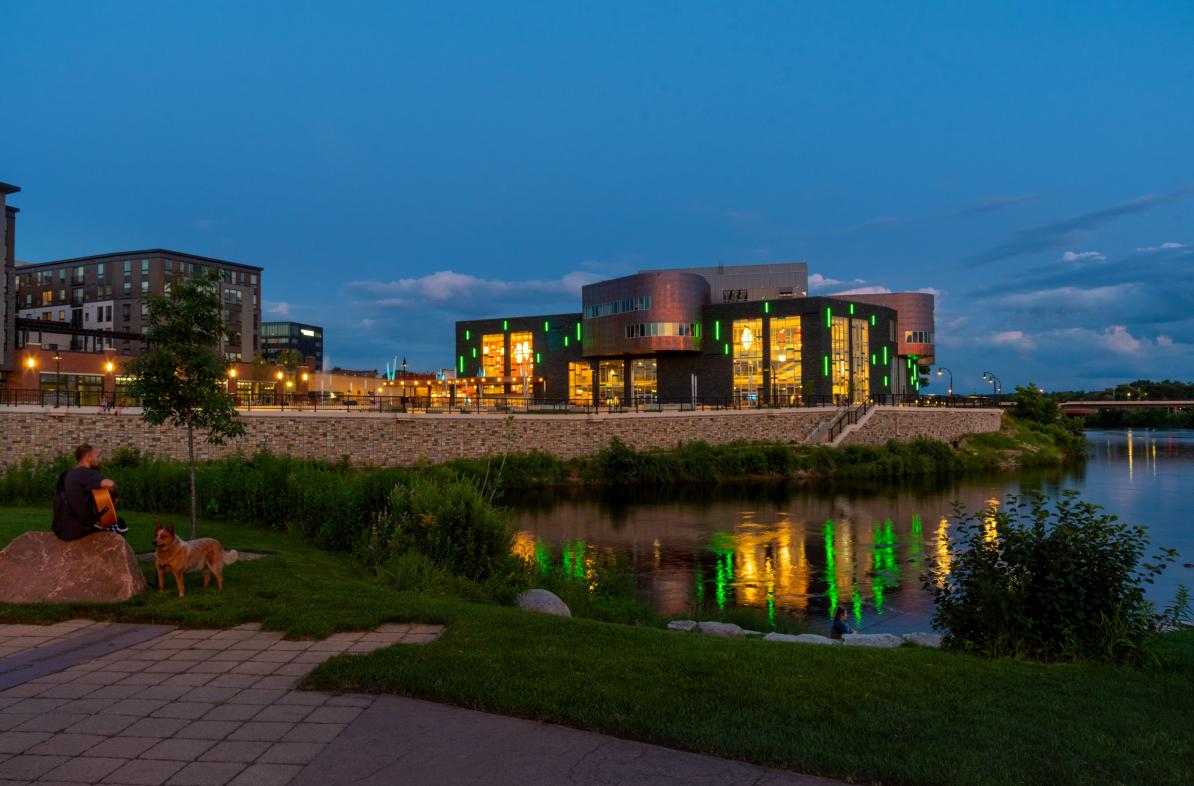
x,y
215,707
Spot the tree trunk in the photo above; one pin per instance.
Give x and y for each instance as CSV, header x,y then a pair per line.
x,y
194,497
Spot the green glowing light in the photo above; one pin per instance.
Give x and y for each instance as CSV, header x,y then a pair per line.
x,y
546,327
717,330
461,364
857,603
578,331
830,580
828,317
505,324
885,383
468,334
872,358
885,356
727,348
696,330
872,320
538,358
851,309
474,351
825,364
766,307
565,341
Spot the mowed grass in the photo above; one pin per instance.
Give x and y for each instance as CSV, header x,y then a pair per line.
x,y
906,716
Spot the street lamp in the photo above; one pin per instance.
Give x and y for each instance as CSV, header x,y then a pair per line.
x,y
943,370
57,379
996,386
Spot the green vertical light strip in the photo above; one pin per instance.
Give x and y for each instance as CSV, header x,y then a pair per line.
x,y
873,358
474,351
696,330
546,327
578,331
885,356
565,341
460,363
886,384
828,317
468,334
851,309
727,348
766,307
717,330
872,320
825,364
505,324
538,358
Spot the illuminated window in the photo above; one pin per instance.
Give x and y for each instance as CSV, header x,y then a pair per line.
x,y
611,382
580,383
493,355
522,358
839,361
918,337
859,341
748,360
786,346
644,378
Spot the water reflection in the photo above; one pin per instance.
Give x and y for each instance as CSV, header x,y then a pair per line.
x,y
802,550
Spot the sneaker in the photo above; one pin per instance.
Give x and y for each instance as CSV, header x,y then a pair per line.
x,y
120,527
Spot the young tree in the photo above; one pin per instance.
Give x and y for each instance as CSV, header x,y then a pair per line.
x,y
181,378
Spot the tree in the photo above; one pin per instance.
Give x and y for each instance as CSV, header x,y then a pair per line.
x,y
1030,403
289,359
181,378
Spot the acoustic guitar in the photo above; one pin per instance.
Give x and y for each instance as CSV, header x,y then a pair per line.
x,y
105,508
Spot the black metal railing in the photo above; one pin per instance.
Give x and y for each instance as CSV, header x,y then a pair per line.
x,y
108,401
847,419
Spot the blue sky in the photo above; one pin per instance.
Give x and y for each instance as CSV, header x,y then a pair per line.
x,y
396,167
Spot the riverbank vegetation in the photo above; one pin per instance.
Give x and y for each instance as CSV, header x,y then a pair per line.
x,y
801,707
1145,390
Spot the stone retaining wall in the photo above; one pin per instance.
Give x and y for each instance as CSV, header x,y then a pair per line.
x,y
907,423
389,440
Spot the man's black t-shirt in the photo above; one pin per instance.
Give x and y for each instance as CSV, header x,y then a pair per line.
x,y
72,504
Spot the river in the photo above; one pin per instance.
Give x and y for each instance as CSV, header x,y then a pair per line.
x,y
799,549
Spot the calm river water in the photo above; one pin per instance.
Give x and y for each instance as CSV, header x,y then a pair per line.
x,y
797,549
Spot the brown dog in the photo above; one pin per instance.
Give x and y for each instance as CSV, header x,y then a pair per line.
x,y
179,557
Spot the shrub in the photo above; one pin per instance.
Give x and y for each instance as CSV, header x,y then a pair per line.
x,y
1060,582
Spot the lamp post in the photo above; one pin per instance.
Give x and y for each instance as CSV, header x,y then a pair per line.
x,y
404,381
943,370
57,379
30,365
996,386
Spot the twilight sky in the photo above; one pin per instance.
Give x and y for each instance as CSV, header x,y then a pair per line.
x,y
396,167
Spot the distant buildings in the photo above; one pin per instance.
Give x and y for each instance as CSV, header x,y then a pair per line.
x,y
743,335
307,340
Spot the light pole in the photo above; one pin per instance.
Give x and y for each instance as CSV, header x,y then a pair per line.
x,y
996,387
57,379
943,370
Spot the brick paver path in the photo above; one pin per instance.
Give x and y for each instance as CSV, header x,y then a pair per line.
x,y
192,707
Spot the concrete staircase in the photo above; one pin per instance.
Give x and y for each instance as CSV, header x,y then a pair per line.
x,y
850,422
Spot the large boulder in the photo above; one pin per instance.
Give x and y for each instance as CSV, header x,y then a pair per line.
x,y
883,640
724,629
37,567
801,638
932,640
543,601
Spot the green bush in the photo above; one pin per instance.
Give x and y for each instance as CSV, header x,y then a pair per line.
x,y
1047,582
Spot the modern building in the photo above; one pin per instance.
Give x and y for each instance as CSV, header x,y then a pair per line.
x,y
746,335
307,340
96,303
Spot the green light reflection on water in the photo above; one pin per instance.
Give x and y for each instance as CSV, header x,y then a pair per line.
x,y
830,579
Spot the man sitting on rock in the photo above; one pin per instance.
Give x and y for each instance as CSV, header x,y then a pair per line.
x,y
74,509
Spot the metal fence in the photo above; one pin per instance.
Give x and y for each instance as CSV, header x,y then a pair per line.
x,y
511,404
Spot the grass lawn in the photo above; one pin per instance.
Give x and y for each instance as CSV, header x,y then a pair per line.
x,y
901,717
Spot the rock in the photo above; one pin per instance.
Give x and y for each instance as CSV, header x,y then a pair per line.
x,y
801,638
544,602
725,629
684,626
884,640
37,567
931,640
750,632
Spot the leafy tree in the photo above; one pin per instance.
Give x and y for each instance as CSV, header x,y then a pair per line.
x,y
1030,403
1046,580
290,359
181,378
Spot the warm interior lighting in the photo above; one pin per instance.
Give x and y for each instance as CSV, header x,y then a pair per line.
x,y
231,372
290,383
278,375
30,362
306,376
748,338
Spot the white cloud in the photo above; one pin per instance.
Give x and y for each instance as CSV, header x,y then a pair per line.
x,y
869,290
446,285
817,281
1068,298
1163,247
279,309
1081,256
1164,341
1015,339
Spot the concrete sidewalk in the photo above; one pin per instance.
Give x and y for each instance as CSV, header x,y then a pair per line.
x,y
419,743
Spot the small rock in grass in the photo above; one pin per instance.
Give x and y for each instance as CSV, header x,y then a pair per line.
x,y
801,638
883,640
753,632
931,640
543,601
726,629
684,626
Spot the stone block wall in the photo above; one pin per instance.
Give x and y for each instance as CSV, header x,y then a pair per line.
x,y
395,440
907,423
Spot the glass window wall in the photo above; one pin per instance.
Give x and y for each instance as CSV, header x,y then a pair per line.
x,y
611,383
748,360
859,344
786,346
580,383
493,355
644,380
840,358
